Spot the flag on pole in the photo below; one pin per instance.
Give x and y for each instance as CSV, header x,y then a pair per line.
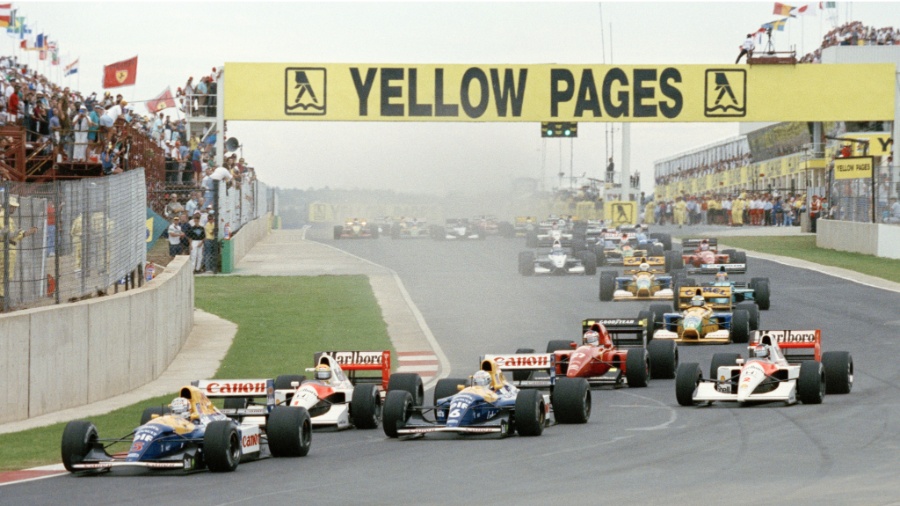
x,y
163,101
123,73
776,25
6,15
54,53
39,41
809,9
783,9
71,68
18,28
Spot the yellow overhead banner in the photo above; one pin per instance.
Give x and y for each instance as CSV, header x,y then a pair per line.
x,y
565,92
853,168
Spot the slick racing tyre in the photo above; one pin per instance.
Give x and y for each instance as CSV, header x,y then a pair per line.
x,y
78,438
522,375
571,400
398,407
148,413
637,367
740,326
221,446
753,310
760,287
687,379
365,406
589,261
607,285
410,382
838,372
531,413
722,359
663,359
811,383
289,431
447,387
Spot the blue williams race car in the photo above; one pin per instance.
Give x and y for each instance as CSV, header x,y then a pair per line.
x,y
487,403
192,434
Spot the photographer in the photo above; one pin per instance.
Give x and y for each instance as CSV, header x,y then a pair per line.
x,y
108,161
747,48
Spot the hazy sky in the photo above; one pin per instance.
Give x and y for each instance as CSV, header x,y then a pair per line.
x,y
175,40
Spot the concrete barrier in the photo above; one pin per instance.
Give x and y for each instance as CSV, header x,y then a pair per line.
x,y
868,238
250,234
69,355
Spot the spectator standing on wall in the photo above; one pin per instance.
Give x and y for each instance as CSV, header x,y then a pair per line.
x,y
196,234
9,245
746,49
82,124
211,245
175,235
208,185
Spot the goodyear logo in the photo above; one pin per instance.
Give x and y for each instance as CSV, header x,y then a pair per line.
x,y
726,93
304,91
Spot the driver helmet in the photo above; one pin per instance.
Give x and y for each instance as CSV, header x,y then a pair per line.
x,y
181,407
722,276
704,245
592,337
645,267
697,301
624,239
481,379
323,372
761,351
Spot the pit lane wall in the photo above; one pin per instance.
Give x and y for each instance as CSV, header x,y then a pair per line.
x,y
251,233
876,239
74,354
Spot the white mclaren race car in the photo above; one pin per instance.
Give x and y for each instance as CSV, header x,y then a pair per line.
x,y
783,365
338,396
557,260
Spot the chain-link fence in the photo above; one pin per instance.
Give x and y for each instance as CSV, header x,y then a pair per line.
x,y
68,240
852,199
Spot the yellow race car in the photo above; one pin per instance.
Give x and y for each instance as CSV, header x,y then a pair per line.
x,y
707,318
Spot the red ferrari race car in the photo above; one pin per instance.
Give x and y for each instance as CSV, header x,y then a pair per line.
x,y
613,351
702,256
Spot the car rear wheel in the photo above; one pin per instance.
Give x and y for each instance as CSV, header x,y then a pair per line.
x,y
571,400
410,382
637,367
760,288
607,285
740,326
519,375
838,372
753,310
365,406
657,318
447,387
687,379
289,431
589,261
148,413
663,359
284,381
78,438
222,446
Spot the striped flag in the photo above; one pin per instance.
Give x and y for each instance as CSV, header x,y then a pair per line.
x,y
783,9
71,68
7,14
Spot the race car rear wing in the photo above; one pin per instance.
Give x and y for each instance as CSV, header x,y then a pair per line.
x,y
243,388
797,345
632,264
527,362
352,362
717,297
624,332
693,244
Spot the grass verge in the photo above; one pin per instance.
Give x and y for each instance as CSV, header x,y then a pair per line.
x,y
804,247
281,322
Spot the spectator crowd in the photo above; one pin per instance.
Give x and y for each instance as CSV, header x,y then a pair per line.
x,y
854,33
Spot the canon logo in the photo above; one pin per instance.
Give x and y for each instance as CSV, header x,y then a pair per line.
x,y
236,388
249,441
523,361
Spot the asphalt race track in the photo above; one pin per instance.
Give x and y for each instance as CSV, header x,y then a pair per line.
x,y
639,447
